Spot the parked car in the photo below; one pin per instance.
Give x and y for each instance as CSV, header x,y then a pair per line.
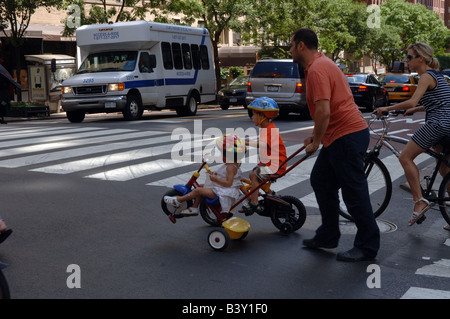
x,y
400,86
283,81
367,91
234,93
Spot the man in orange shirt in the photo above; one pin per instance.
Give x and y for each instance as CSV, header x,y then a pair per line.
x,y
341,128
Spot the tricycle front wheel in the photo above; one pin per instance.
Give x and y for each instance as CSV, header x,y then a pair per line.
x,y
172,210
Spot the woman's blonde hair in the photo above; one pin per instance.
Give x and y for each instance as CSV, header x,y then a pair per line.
x,y
425,51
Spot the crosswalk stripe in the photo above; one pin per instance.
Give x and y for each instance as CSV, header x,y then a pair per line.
x,y
74,134
425,293
62,144
439,268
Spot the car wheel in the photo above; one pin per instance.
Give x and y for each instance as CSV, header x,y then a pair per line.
x,y
224,106
371,107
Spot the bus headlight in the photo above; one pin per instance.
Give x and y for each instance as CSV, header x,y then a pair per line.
x,y
116,87
66,90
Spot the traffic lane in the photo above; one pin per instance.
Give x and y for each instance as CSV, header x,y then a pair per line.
x,y
127,248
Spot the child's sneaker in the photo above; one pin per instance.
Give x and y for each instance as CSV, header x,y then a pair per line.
x,y
171,200
191,211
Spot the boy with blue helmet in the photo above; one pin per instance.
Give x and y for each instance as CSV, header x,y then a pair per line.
x,y
272,151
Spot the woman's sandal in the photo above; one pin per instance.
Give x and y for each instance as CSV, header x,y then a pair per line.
x,y
172,200
417,215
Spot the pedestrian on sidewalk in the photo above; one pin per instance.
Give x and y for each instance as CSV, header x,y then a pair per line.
x,y
343,131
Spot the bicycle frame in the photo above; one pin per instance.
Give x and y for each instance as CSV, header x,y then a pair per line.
x,y
385,138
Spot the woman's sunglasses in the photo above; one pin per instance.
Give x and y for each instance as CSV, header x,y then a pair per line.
x,y
410,57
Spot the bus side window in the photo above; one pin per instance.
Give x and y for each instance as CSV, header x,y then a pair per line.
x,y
196,57
204,57
186,56
167,55
177,57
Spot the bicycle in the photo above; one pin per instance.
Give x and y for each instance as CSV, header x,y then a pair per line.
x,y
379,180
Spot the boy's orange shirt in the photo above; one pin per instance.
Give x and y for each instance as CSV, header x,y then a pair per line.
x,y
325,81
276,151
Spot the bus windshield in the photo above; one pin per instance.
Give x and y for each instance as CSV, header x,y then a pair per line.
x,y
109,62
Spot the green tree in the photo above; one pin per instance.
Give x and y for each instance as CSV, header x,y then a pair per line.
x,y
339,24
129,10
16,15
217,15
402,24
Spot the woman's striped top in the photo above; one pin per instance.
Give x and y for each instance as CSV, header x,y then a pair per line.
x,y
437,98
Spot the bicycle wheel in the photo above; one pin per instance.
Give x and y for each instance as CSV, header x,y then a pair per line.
x,y
380,186
444,198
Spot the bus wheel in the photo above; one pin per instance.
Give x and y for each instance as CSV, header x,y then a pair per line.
x,y
133,109
191,106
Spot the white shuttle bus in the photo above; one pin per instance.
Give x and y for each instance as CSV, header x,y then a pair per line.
x,y
131,66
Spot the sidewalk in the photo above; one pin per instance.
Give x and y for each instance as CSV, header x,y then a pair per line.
x,y
62,115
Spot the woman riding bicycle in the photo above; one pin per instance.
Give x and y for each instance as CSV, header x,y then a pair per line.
x,y
433,96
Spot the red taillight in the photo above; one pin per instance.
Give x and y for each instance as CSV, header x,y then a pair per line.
x,y
405,89
299,88
362,88
249,86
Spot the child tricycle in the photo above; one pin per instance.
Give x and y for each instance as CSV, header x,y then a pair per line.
x,y
287,213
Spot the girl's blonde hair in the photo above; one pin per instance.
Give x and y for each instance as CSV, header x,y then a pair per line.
x,y
425,51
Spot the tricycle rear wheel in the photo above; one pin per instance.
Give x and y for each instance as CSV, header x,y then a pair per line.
x,y
218,239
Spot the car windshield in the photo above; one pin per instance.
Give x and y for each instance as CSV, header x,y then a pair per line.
x,y
395,78
109,62
357,78
240,80
275,70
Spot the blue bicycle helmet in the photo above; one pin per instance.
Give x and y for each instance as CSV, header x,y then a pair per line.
x,y
266,105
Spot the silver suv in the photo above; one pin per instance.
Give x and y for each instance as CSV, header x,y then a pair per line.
x,y
281,80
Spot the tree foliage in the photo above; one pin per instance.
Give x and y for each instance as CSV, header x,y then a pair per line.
x,y
16,14
128,10
402,24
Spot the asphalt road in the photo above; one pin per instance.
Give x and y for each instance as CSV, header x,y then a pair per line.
x,y
84,203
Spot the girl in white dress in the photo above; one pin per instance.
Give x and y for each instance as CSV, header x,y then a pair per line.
x,y
225,181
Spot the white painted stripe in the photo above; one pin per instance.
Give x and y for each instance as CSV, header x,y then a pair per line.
x,y
425,293
139,170
74,143
439,268
83,151
99,161
54,137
